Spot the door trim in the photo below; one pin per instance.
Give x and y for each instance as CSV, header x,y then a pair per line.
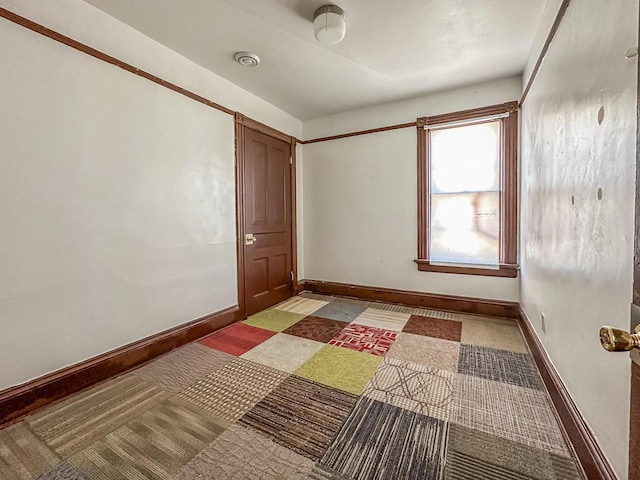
x,y
243,122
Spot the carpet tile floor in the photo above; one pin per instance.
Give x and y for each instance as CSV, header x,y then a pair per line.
x,y
315,388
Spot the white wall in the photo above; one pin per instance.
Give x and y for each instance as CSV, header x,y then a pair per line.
x,y
117,196
360,197
577,259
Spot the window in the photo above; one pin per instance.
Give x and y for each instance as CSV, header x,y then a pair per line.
x,y
467,192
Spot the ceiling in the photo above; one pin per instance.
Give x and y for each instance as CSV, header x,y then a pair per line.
x,y
392,50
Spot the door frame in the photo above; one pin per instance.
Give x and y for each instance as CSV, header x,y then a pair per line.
x,y
241,123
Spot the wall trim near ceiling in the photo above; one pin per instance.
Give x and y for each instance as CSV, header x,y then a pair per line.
x,y
575,429
70,42
360,132
545,48
21,400
477,306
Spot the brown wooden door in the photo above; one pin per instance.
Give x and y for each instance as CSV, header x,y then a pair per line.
x,y
267,221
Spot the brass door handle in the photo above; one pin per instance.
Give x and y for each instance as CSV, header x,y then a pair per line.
x,y
617,340
250,239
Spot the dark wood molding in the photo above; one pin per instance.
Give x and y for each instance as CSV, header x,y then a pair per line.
x,y
508,248
361,132
545,48
477,306
241,123
575,428
262,128
239,156
503,270
58,37
21,400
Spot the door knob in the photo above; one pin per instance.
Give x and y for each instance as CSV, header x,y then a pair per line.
x,y
250,239
617,340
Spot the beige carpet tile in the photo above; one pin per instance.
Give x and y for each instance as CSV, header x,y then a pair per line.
x,y
411,386
493,335
508,411
305,306
156,445
301,415
64,471
232,390
433,352
283,352
372,317
76,423
340,368
183,367
243,454
23,455
495,458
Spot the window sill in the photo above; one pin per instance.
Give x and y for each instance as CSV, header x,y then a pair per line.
x,y
503,270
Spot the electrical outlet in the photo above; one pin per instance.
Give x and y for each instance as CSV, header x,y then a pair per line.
x,y
544,322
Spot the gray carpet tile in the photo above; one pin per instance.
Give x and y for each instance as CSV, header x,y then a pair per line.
x,y
383,442
478,455
344,311
64,471
301,415
499,365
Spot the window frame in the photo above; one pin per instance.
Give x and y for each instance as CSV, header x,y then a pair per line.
x,y
508,250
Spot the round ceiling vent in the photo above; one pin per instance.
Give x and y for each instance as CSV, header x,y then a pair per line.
x,y
247,59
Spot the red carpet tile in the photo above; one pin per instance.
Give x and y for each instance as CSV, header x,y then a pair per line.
x,y
237,339
434,327
375,341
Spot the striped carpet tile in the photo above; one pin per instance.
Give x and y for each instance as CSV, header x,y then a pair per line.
x,y
393,321
382,442
508,411
320,472
499,365
156,445
64,471
74,424
301,415
183,367
389,307
415,387
232,390
243,454
306,306
22,455
471,452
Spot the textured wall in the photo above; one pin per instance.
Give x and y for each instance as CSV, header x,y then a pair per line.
x,y
576,249
117,196
360,198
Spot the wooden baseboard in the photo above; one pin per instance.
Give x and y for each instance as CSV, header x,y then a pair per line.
x,y
452,303
18,401
576,431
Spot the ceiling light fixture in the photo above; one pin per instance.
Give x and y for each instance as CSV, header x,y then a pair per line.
x,y
247,59
329,25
